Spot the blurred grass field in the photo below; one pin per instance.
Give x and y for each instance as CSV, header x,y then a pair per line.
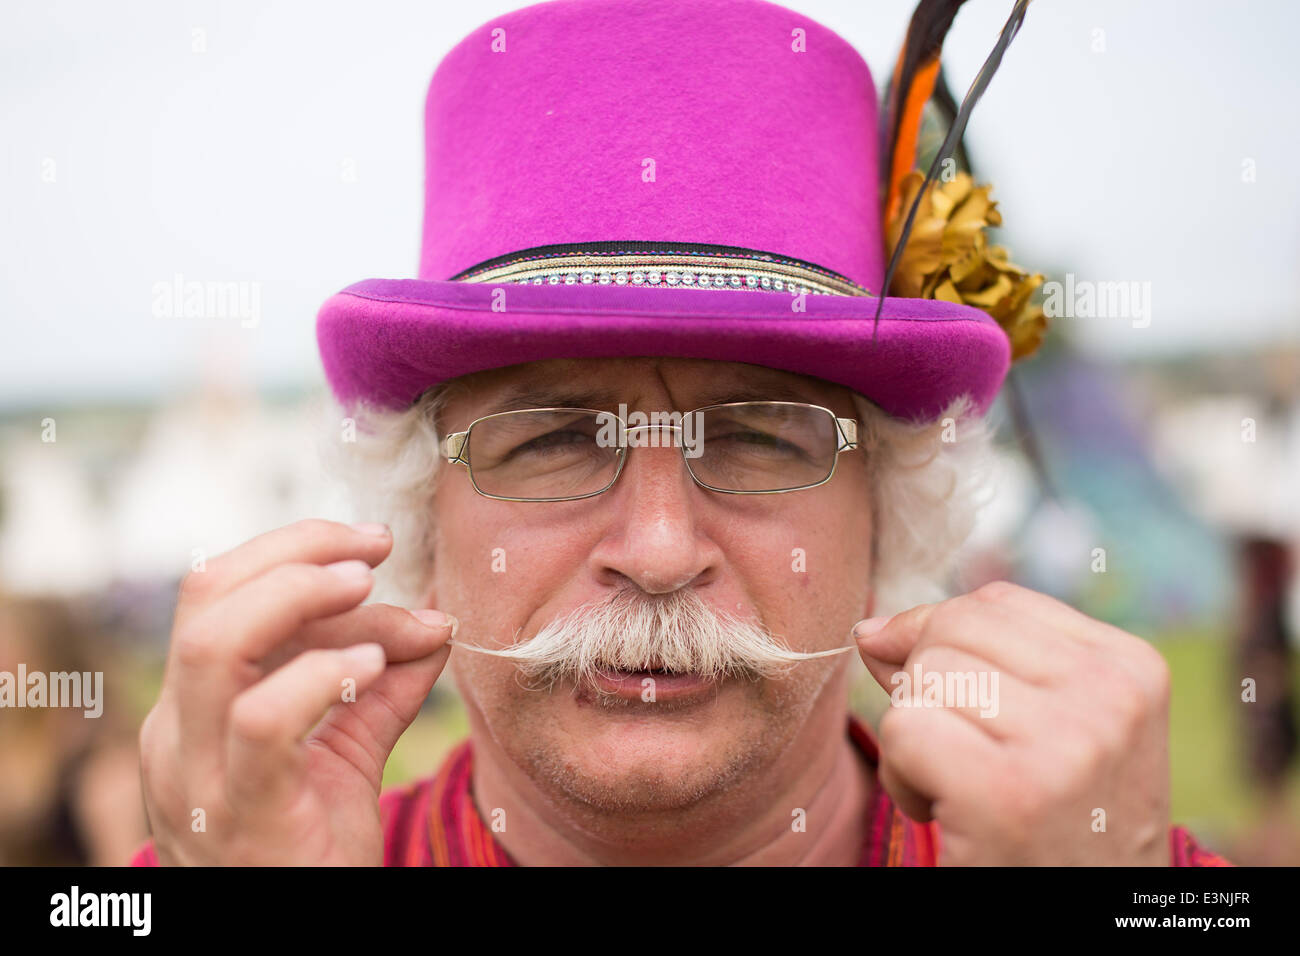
x,y
1212,791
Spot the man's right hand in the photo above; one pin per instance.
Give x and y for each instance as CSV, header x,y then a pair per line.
x,y
253,726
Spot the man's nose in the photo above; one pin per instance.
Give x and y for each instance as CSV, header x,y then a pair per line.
x,y
654,536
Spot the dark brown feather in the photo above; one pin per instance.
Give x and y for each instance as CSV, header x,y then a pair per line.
x,y
913,81
955,134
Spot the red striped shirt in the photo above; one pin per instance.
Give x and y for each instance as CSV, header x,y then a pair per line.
x,y
433,822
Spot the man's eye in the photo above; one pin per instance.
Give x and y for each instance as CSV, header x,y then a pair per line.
x,y
552,441
758,439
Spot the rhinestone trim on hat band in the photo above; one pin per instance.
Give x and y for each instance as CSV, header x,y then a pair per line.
x,y
662,265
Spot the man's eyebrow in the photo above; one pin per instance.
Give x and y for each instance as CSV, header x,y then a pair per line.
x,y
755,392
552,396
562,396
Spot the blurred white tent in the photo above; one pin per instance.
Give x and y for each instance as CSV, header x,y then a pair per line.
x,y
1237,462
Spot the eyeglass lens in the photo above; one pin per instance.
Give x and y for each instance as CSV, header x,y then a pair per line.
x,y
563,453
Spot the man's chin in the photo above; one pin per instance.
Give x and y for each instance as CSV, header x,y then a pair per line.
x,y
625,754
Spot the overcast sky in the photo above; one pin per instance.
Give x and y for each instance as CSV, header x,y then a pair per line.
x,y
129,158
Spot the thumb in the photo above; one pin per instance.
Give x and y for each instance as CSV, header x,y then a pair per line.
x,y
885,643
366,730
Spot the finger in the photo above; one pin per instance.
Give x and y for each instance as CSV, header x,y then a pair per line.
x,y
405,635
882,671
264,762
313,541
1049,612
276,605
928,757
216,655
1130,653
892,638
995,702
364,733
1032,652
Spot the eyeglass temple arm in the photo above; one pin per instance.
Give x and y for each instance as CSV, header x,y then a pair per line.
x,y
453,446
848,434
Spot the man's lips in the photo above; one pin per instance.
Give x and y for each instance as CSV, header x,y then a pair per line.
x,y
632,685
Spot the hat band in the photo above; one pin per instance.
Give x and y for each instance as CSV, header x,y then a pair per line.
x,y
662,265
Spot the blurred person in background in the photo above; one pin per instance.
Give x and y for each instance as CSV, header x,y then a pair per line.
x,y
69,783
1268,723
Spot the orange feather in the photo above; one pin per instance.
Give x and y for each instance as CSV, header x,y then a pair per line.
x,y
909,129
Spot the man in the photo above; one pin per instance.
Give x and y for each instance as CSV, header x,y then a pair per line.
x,y
662,451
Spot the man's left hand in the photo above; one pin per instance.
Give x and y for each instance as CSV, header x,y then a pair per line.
x,y
1072,764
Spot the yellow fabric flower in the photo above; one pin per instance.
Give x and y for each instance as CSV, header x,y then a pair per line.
x,y
948,257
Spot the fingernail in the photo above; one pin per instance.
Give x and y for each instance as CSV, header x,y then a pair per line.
x,y
865,629
365,656
432,618
352,572
371,527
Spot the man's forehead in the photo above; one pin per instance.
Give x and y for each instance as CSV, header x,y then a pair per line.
x,y
604,383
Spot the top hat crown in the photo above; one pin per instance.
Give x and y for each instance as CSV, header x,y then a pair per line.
x,y
726,122
693,178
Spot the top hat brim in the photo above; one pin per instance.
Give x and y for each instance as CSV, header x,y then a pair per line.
x,y
386,341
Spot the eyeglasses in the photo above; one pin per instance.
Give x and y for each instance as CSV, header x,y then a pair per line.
x,y
562,454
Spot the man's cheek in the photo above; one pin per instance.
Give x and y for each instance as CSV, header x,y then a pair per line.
x,y
476,677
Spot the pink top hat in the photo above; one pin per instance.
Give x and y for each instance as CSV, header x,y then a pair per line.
x,y
693,178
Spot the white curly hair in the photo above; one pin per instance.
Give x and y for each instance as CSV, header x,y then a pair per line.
x,y
927,481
